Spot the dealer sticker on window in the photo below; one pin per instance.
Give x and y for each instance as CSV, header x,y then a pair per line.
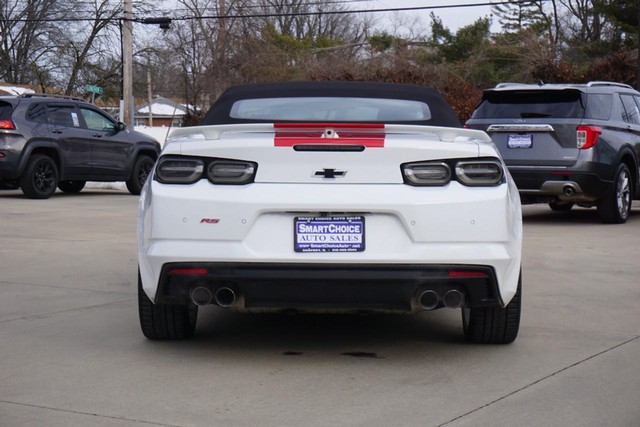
x,y
329,234
520,141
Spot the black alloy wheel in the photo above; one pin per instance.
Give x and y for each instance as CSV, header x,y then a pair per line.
x,y
615,207
141,171
40,178
560,207
71,186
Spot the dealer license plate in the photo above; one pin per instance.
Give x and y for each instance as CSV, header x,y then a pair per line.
x,y
520,141
328,234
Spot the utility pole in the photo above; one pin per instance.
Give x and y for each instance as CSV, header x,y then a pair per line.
x,y
638,65
127,64
149,93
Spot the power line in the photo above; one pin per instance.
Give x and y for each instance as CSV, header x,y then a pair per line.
x,y
285,14
348,11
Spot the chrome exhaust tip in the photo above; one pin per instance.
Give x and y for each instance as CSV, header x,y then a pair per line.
x,y
569,191
201,296
453,299
225,297
428,300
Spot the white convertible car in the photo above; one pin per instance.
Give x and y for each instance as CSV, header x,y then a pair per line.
x,y
330,197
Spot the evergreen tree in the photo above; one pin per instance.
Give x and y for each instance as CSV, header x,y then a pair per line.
x,y
517,16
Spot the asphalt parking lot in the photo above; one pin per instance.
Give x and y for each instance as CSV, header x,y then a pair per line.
x,y
72,354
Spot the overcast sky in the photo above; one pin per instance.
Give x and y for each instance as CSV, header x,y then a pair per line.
x,y
452,18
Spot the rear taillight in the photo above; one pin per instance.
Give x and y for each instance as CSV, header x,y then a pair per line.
x,y
179,170
231,172
6,124
188,170
427,173
479,172
485,172
587,136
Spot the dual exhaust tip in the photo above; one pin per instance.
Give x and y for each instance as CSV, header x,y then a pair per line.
x,y
224,297
430,300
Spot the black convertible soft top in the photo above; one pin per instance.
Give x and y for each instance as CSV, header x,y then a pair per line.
x,y
441,113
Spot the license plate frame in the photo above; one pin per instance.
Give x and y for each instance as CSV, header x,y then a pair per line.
x,y
520,141
333,234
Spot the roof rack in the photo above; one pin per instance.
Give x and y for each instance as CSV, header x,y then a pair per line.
x,y
52,95
601,83
507,84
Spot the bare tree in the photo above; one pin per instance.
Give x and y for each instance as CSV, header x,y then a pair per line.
x,y
25,28
584,22
83,42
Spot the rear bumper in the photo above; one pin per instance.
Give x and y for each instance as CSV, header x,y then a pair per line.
x,y
535,185
330,287
9,165
413,236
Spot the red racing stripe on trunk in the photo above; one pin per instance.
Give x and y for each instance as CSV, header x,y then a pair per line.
x,y
371,135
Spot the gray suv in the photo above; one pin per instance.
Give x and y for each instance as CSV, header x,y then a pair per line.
x,y
52,141
568,144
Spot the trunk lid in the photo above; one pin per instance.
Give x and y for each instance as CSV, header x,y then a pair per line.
x,y
329,153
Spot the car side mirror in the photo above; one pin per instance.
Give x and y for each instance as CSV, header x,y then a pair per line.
x,y
120,126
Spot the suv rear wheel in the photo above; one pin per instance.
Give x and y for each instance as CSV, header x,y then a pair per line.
x,y
560,207
71,186
615,207
141,171
491,325
40,177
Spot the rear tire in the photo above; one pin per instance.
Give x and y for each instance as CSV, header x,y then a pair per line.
x,y
165,321
141,170
615,207
493,325
560,207
40,177
71,186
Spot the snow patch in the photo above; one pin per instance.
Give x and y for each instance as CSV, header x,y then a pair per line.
x,y
15,90
159,133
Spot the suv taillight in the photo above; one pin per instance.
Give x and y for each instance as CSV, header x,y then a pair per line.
x,y
587,136
6,124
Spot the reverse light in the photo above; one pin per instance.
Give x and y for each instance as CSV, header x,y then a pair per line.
x,y
479,172
426,173
587,136
6,124
179,170
231,172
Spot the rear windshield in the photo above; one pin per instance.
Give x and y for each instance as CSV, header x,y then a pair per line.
x,y
5,111
331,109
530,104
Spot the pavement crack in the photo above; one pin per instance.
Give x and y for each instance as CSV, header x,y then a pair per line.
x,y
69,310
553,374
69,411
72,288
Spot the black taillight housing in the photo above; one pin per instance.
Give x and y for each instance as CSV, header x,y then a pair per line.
x,y
476,172
188,170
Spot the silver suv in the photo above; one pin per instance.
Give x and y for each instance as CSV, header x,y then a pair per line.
x,y
568,144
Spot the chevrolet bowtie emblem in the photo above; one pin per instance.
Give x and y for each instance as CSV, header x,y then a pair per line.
x,y
330,173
